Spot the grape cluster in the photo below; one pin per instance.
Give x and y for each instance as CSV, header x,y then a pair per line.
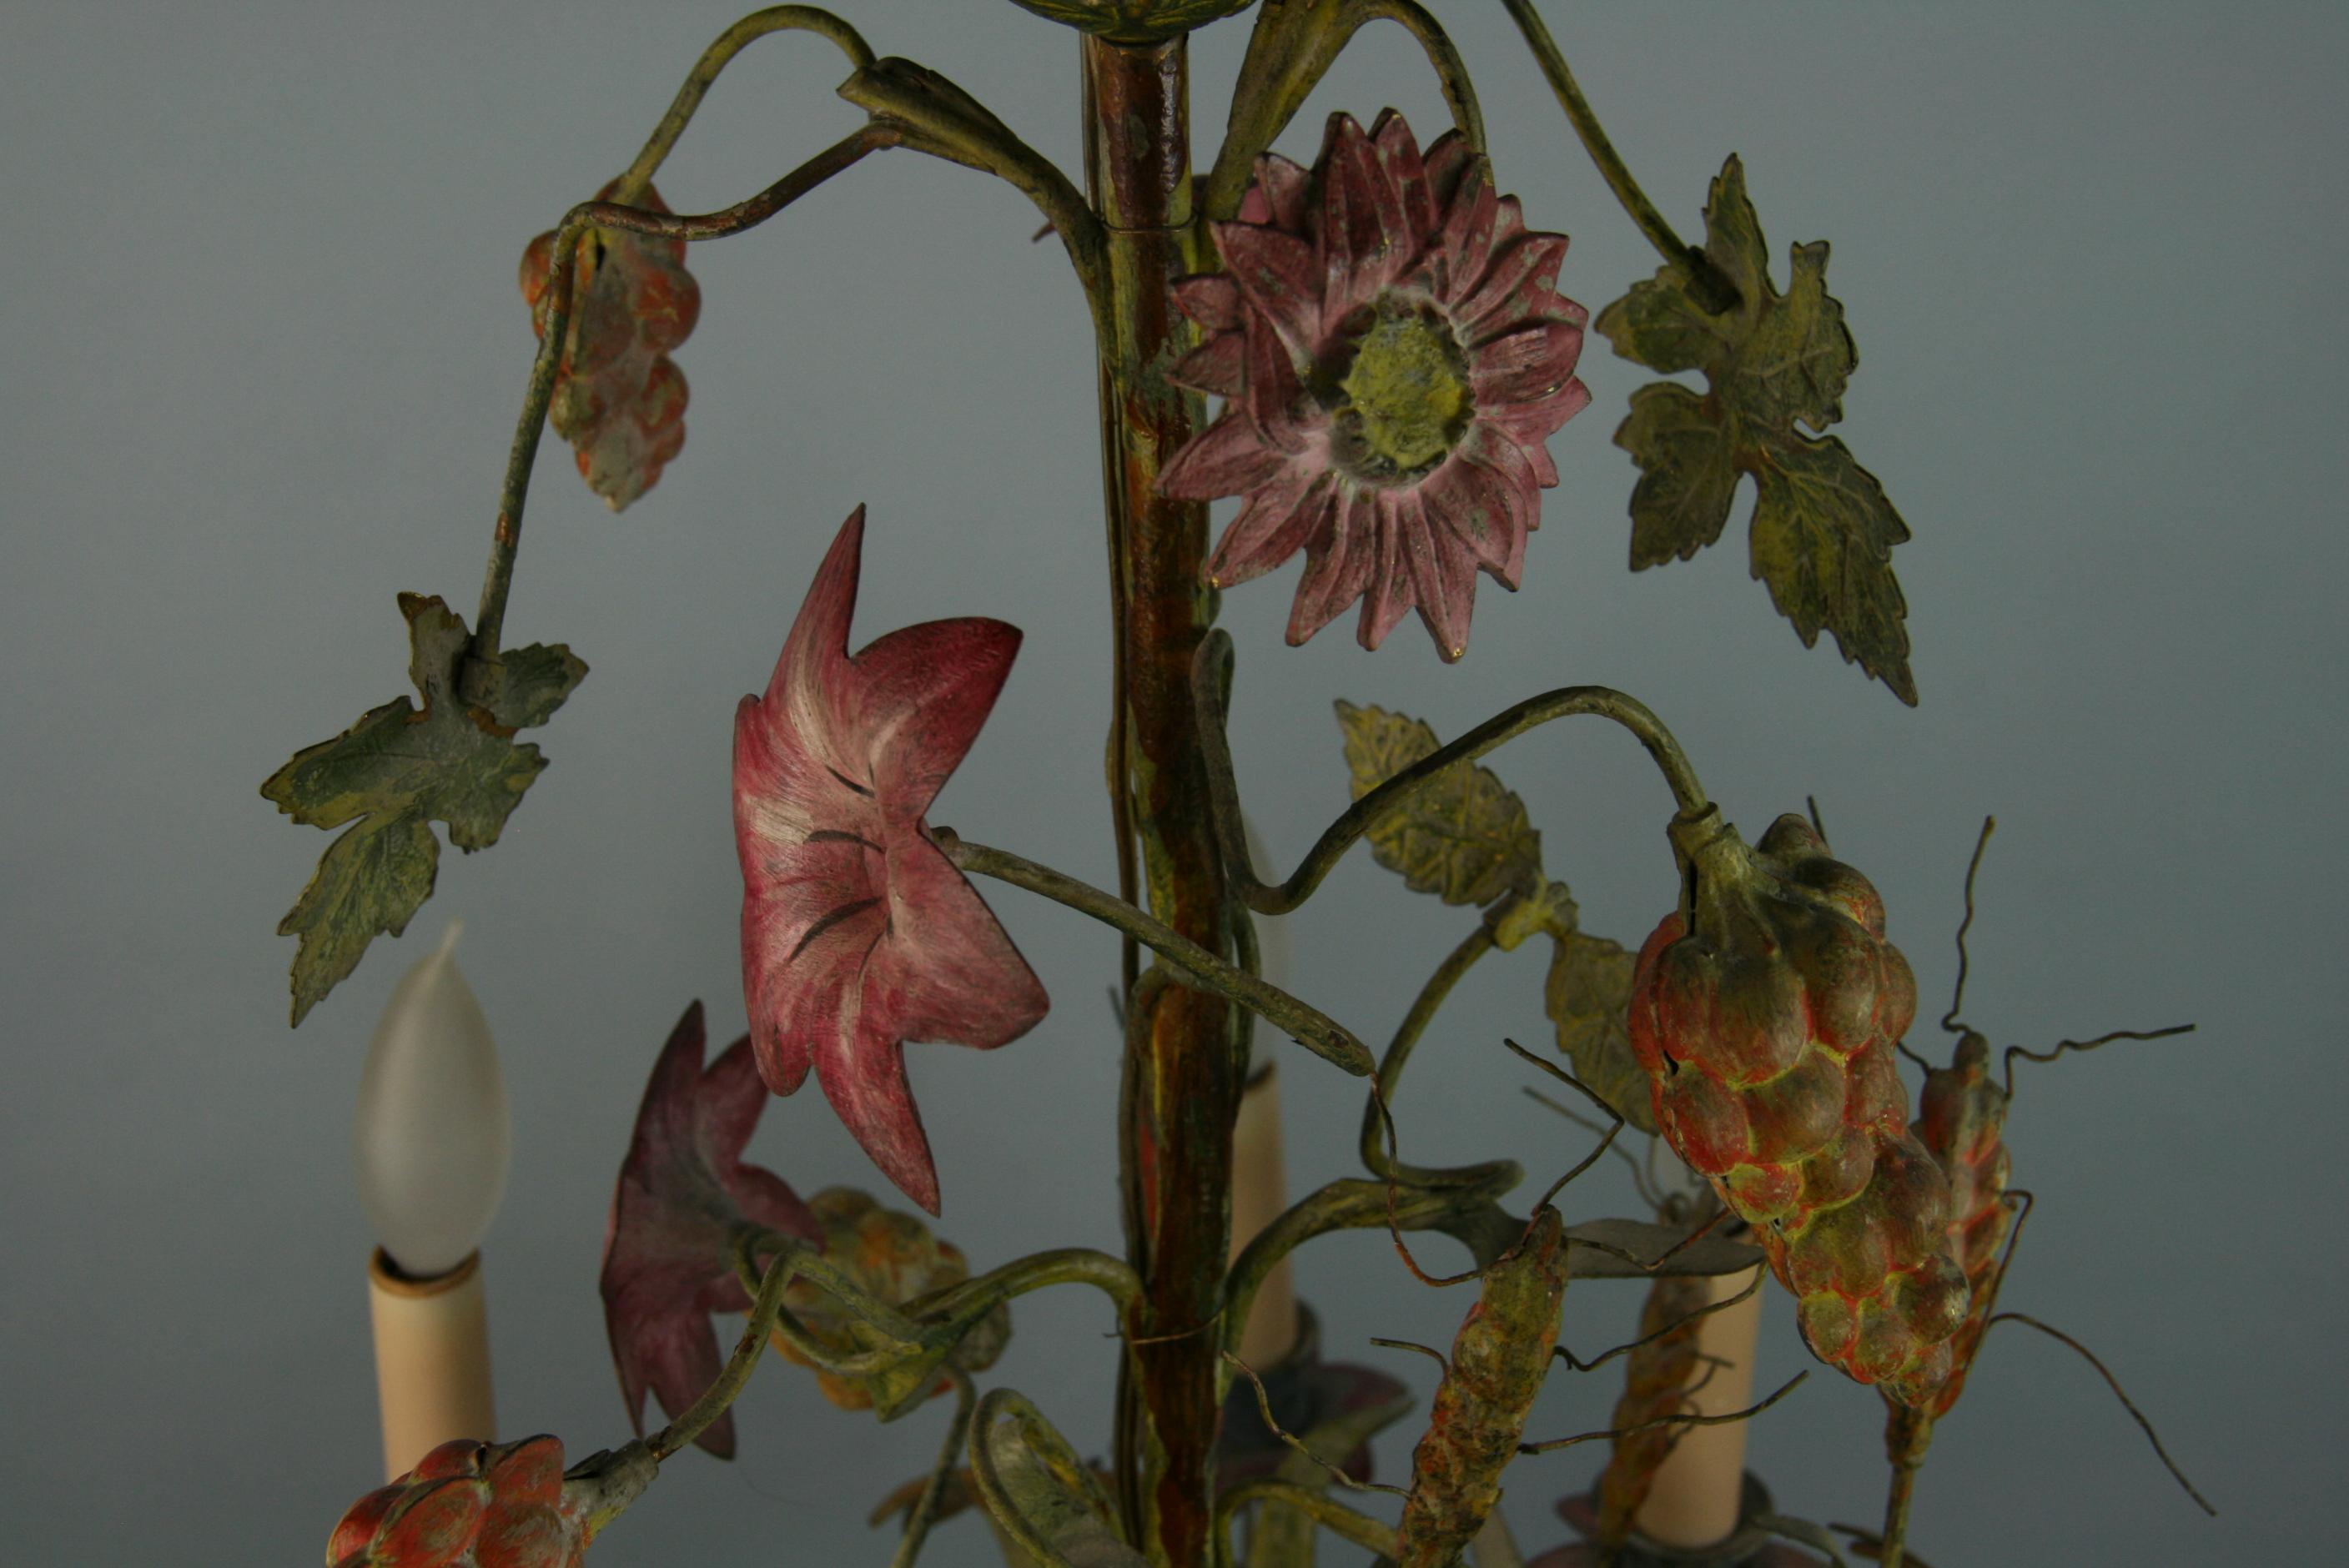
x,y
619,399
468,1504
1962,1120
1763,1013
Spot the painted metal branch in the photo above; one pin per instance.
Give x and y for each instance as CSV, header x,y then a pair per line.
x,y
1468,1213
1292,49
1347,1523
1302,1022
924,1510
766,1306
1715,292
488,623
1210,677
1448,973
932,115
714,60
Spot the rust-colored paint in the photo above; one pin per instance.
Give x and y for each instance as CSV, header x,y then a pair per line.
x,y
1182,1084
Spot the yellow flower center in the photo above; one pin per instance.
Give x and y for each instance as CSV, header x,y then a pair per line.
x,y
1405,390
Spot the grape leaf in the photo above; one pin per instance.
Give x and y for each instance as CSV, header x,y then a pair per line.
x,y
1823,529
400,767
1463,837
1588,995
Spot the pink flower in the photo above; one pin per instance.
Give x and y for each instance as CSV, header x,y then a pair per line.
x,y
668,1246
858,933
1394,352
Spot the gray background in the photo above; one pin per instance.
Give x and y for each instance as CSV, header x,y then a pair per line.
x,y
263,356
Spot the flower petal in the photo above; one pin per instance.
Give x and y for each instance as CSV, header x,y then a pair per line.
x,y
1273,394
1278,277
862,1071
1366,242
1213,367
1211,299
1273,525
1478,505
1532,364
948,972
921,694
1533,423
1520,285
1443,582
1401,532
1398,152
1464,246
1449,157
1278,195
1228,457
681,1190
1338,565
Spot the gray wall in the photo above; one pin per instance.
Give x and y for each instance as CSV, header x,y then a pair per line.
x,y
263,356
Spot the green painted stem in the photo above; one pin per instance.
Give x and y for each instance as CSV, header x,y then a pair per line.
x,y
1211,679
1347,1523
1306,1025
1448,973
735,1375
489,622
1716,292
714,60
926,1507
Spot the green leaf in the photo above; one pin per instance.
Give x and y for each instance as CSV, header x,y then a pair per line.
x,y
1462,836
532,683
1587,995
1823,531
1046,1499
400,767
372,879
1686,475
1822,538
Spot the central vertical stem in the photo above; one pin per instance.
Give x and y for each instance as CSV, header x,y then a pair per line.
x,y
1182,1082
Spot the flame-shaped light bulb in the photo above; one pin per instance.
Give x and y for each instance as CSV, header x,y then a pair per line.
x,y
433,1134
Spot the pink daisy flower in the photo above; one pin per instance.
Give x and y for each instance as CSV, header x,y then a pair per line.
x,y
1394,352
858,933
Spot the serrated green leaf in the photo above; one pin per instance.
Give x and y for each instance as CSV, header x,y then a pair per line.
x,y
1586,996
398,768
1772,362
1822,538
1464,837
1686,473
532,683
371,880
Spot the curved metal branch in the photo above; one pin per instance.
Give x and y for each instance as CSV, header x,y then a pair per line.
x,y
1324,1510
488,623
766,1306
714,60
932,115
1306,1025
1211,678
1715,292
1289,52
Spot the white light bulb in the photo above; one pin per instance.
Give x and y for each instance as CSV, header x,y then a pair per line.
x,y
433,1135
